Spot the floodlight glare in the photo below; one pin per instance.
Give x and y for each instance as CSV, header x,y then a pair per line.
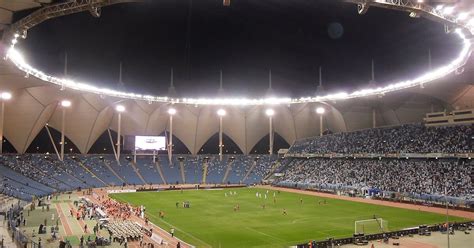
x,y
171,111
221,112
462,16
66,103
320,110
120,108
270,112
448,10
6,96
446,13
471,22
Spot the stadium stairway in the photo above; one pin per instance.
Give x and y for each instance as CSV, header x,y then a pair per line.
x,y
46,170
228,170
274,168
107,164
193,169
97,166
170,170
137,171
148,170
72,177
93,175
205,165
254,163
160,171
125,169
182,172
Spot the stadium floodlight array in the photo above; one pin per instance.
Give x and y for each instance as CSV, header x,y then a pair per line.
x,y
465,30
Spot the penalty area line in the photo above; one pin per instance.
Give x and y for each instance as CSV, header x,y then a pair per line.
x,y
179,229
265,234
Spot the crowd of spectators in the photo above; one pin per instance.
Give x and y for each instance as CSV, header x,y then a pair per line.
x,y
396,175
410,138
38,169
419,176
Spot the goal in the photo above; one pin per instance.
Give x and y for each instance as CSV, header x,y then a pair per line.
x,y
371,226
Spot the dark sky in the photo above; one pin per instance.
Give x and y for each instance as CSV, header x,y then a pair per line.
x,y
244,40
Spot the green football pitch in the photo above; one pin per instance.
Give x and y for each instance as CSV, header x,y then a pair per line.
x,y
212,222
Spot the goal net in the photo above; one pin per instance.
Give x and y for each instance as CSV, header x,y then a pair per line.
x,y
371,226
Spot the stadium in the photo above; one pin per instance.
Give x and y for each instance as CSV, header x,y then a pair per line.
x,y
237,123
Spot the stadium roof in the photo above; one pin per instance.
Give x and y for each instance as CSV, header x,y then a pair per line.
x,y
35,104
9,7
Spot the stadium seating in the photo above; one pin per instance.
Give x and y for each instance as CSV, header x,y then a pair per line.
x,y
413,176
410,138
35,174
97,165
148,170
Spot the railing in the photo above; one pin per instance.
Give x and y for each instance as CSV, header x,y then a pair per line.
x,y
406,196
433,155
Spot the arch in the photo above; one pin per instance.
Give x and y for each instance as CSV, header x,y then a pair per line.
x,y
42,144
178,146
211,146
262,145
99,127
102,144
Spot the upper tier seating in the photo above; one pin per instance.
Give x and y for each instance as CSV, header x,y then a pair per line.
x,y
410,138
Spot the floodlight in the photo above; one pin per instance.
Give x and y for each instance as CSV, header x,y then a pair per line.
x,y
66,103
221,112
320,110
6,96
471,22
270,112
448,10
120,108
171,111
462,16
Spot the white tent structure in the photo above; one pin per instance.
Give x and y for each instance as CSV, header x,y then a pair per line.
x,y
35,103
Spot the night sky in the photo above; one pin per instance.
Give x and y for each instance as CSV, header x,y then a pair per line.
x,y
245,40
200,37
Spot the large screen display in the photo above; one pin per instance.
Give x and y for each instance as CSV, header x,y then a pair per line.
x,y
143,143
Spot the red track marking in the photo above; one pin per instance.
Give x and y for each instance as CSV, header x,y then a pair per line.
x,y
452,212
63,219
80,222
172,242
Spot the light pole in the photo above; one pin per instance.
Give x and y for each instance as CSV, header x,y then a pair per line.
x,y
171,113
65,104
270,113
120,109
221,113
4,96
447,207
320,111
